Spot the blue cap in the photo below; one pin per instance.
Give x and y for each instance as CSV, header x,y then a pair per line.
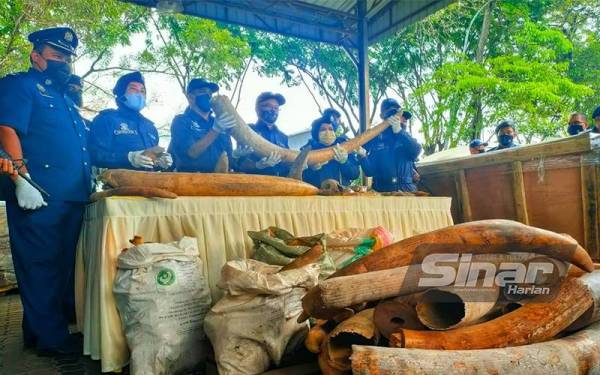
x,y
388,103
476,143
596,113
121,85
331,112
200,83
61,38
270,95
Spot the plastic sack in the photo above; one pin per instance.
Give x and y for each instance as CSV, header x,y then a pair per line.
x,y
162,298
252,324
348,245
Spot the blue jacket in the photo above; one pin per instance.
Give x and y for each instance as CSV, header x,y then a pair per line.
x,y
343,173
116,132
52,135
274,136
187,129
391,161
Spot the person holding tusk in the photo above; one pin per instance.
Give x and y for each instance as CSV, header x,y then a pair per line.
x,y
267,110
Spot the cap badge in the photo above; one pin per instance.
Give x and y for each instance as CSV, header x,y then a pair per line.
x,y
69,36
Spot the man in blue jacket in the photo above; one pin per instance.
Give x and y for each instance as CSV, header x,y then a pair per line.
x,y
343,168
40,123
267,109
123,137
197,140
390,157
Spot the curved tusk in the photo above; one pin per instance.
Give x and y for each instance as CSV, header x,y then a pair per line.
x,y
245,135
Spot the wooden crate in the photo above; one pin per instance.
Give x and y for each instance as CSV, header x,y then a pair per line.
x,y
553,185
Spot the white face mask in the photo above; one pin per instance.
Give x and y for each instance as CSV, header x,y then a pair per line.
x,y
327,137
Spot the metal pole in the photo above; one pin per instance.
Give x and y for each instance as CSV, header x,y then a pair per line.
x,y
363,64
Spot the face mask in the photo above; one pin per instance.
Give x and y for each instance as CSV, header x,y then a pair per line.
x,y
58,71
574,129
135,101
505,139
327,137
203,102
269,116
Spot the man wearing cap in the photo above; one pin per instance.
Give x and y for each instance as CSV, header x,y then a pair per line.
x,y
197,140
477,146
267,110
391,156
596,118
506,132
344,166
40,123
123,137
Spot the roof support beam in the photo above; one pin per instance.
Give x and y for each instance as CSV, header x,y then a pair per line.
x,y
363,64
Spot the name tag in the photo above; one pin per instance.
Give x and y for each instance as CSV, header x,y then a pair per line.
x,y
124,130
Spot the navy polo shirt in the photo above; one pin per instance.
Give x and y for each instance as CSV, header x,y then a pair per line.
x,y
275,136
342,173
116,132
52,134
187,129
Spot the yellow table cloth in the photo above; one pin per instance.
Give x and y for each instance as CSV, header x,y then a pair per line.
x,y
220,225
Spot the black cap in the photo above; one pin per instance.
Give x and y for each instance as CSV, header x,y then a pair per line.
x,y
61,38
121,85
596,113
505,124
331,112
200,83
476,143
270,95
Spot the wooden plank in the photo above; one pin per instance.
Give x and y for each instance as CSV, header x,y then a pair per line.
x,y
519,192
590,208
571,145
463,196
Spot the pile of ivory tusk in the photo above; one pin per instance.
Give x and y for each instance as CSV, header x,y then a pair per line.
x,y
376,316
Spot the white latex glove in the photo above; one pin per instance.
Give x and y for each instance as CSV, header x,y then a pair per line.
x,y
242,151
396,123
224,123
362,152
140,161
164,161
340,154
316,167
269,161
27,196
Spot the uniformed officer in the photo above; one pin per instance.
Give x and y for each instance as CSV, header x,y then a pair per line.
x,y
123,137
343,168
596,117
391,156
477,146
267,110
197,140
40,123
506,131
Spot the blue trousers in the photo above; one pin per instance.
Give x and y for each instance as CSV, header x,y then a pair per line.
x,y
43,246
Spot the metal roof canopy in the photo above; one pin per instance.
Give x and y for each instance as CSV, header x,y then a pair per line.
x,y
352,24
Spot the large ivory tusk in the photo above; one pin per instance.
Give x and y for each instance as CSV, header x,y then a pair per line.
x,y
537,321
392,315
476,237
245,135
209,184
575,354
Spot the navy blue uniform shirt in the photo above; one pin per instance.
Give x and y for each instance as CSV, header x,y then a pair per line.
x,y
342,173
275,136
391,161
116,132
187,129
52,135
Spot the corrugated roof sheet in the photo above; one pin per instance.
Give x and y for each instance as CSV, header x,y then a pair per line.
x,y
329,21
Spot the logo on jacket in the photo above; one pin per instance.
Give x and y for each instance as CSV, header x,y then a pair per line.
x,y
124,130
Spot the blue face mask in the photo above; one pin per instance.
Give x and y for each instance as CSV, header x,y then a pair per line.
x,y
505,139
135,102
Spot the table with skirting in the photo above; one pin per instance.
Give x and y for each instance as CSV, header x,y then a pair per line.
x,y
220,225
